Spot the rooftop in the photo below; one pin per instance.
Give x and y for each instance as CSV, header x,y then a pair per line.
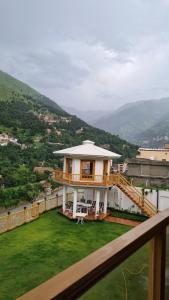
x,y
88,148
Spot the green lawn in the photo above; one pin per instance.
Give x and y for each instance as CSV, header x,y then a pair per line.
x,y
128,215
130,280
37,251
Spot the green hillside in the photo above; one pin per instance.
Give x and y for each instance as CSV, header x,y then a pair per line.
x,y
40,127
134,118
11,88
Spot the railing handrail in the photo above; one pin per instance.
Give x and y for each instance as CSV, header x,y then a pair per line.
x,y
77,177
78,278
137,192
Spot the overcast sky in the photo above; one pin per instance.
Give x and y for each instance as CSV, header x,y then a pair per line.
x,y
89,54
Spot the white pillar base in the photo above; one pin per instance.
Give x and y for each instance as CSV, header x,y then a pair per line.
x,y
64,198
97,202
105,201
74,202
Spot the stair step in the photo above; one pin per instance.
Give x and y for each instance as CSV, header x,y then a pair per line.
x,y
132,194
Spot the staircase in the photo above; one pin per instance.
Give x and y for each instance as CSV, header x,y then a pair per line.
x,y
133,194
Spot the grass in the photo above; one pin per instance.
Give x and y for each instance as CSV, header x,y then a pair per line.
x,y
127,215
36,251
129,281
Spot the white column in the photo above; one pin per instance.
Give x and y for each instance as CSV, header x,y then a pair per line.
x,y
97,201
64,198
122,201
120,198
105,201
74,202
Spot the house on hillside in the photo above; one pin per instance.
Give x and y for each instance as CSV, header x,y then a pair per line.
x,y
5,139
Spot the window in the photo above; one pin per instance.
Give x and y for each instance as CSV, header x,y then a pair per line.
x,y
69,165
87,169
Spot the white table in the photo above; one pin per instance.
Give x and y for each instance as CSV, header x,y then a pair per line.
x,y
84,204
80,217
87,205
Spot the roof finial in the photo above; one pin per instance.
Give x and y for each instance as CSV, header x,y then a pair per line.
x,y
87,142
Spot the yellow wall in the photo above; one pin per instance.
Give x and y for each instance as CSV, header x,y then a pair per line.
x,y
161,154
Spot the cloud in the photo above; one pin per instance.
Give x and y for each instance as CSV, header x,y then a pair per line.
x,y
85,74
88,54
113,77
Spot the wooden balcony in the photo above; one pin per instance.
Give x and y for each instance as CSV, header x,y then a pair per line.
x,y
79,180
107,181
77,279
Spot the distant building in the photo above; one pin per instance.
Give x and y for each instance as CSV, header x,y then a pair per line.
x,y
66,119
47,119
5,139
80,130
42,170
147,171
150,167
120,168
160,154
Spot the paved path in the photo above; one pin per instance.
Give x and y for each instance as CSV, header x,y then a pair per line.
x,y
122,221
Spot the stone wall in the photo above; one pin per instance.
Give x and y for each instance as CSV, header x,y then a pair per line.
x,y
150,172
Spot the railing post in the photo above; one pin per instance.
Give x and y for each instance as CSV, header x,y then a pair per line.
x,y
25,214
45,199
156,283
118,179
142,203
57,200
38,209
9,220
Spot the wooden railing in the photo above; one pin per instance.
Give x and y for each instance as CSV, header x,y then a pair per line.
x,y
77,279
109,180
134,194
13,218
79,179
27,214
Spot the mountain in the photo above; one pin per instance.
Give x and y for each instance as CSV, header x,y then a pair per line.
x,y
89,116
11,87
132,119
157,135
33,126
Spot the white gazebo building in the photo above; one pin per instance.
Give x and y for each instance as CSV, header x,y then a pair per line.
x,y
86,172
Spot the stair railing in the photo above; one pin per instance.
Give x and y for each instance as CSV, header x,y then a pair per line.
x,y
140,199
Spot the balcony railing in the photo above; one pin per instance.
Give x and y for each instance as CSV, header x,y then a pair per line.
x,y
79,179
108,180
77,279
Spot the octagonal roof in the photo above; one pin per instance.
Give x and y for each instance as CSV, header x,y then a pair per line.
x,y
87,149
